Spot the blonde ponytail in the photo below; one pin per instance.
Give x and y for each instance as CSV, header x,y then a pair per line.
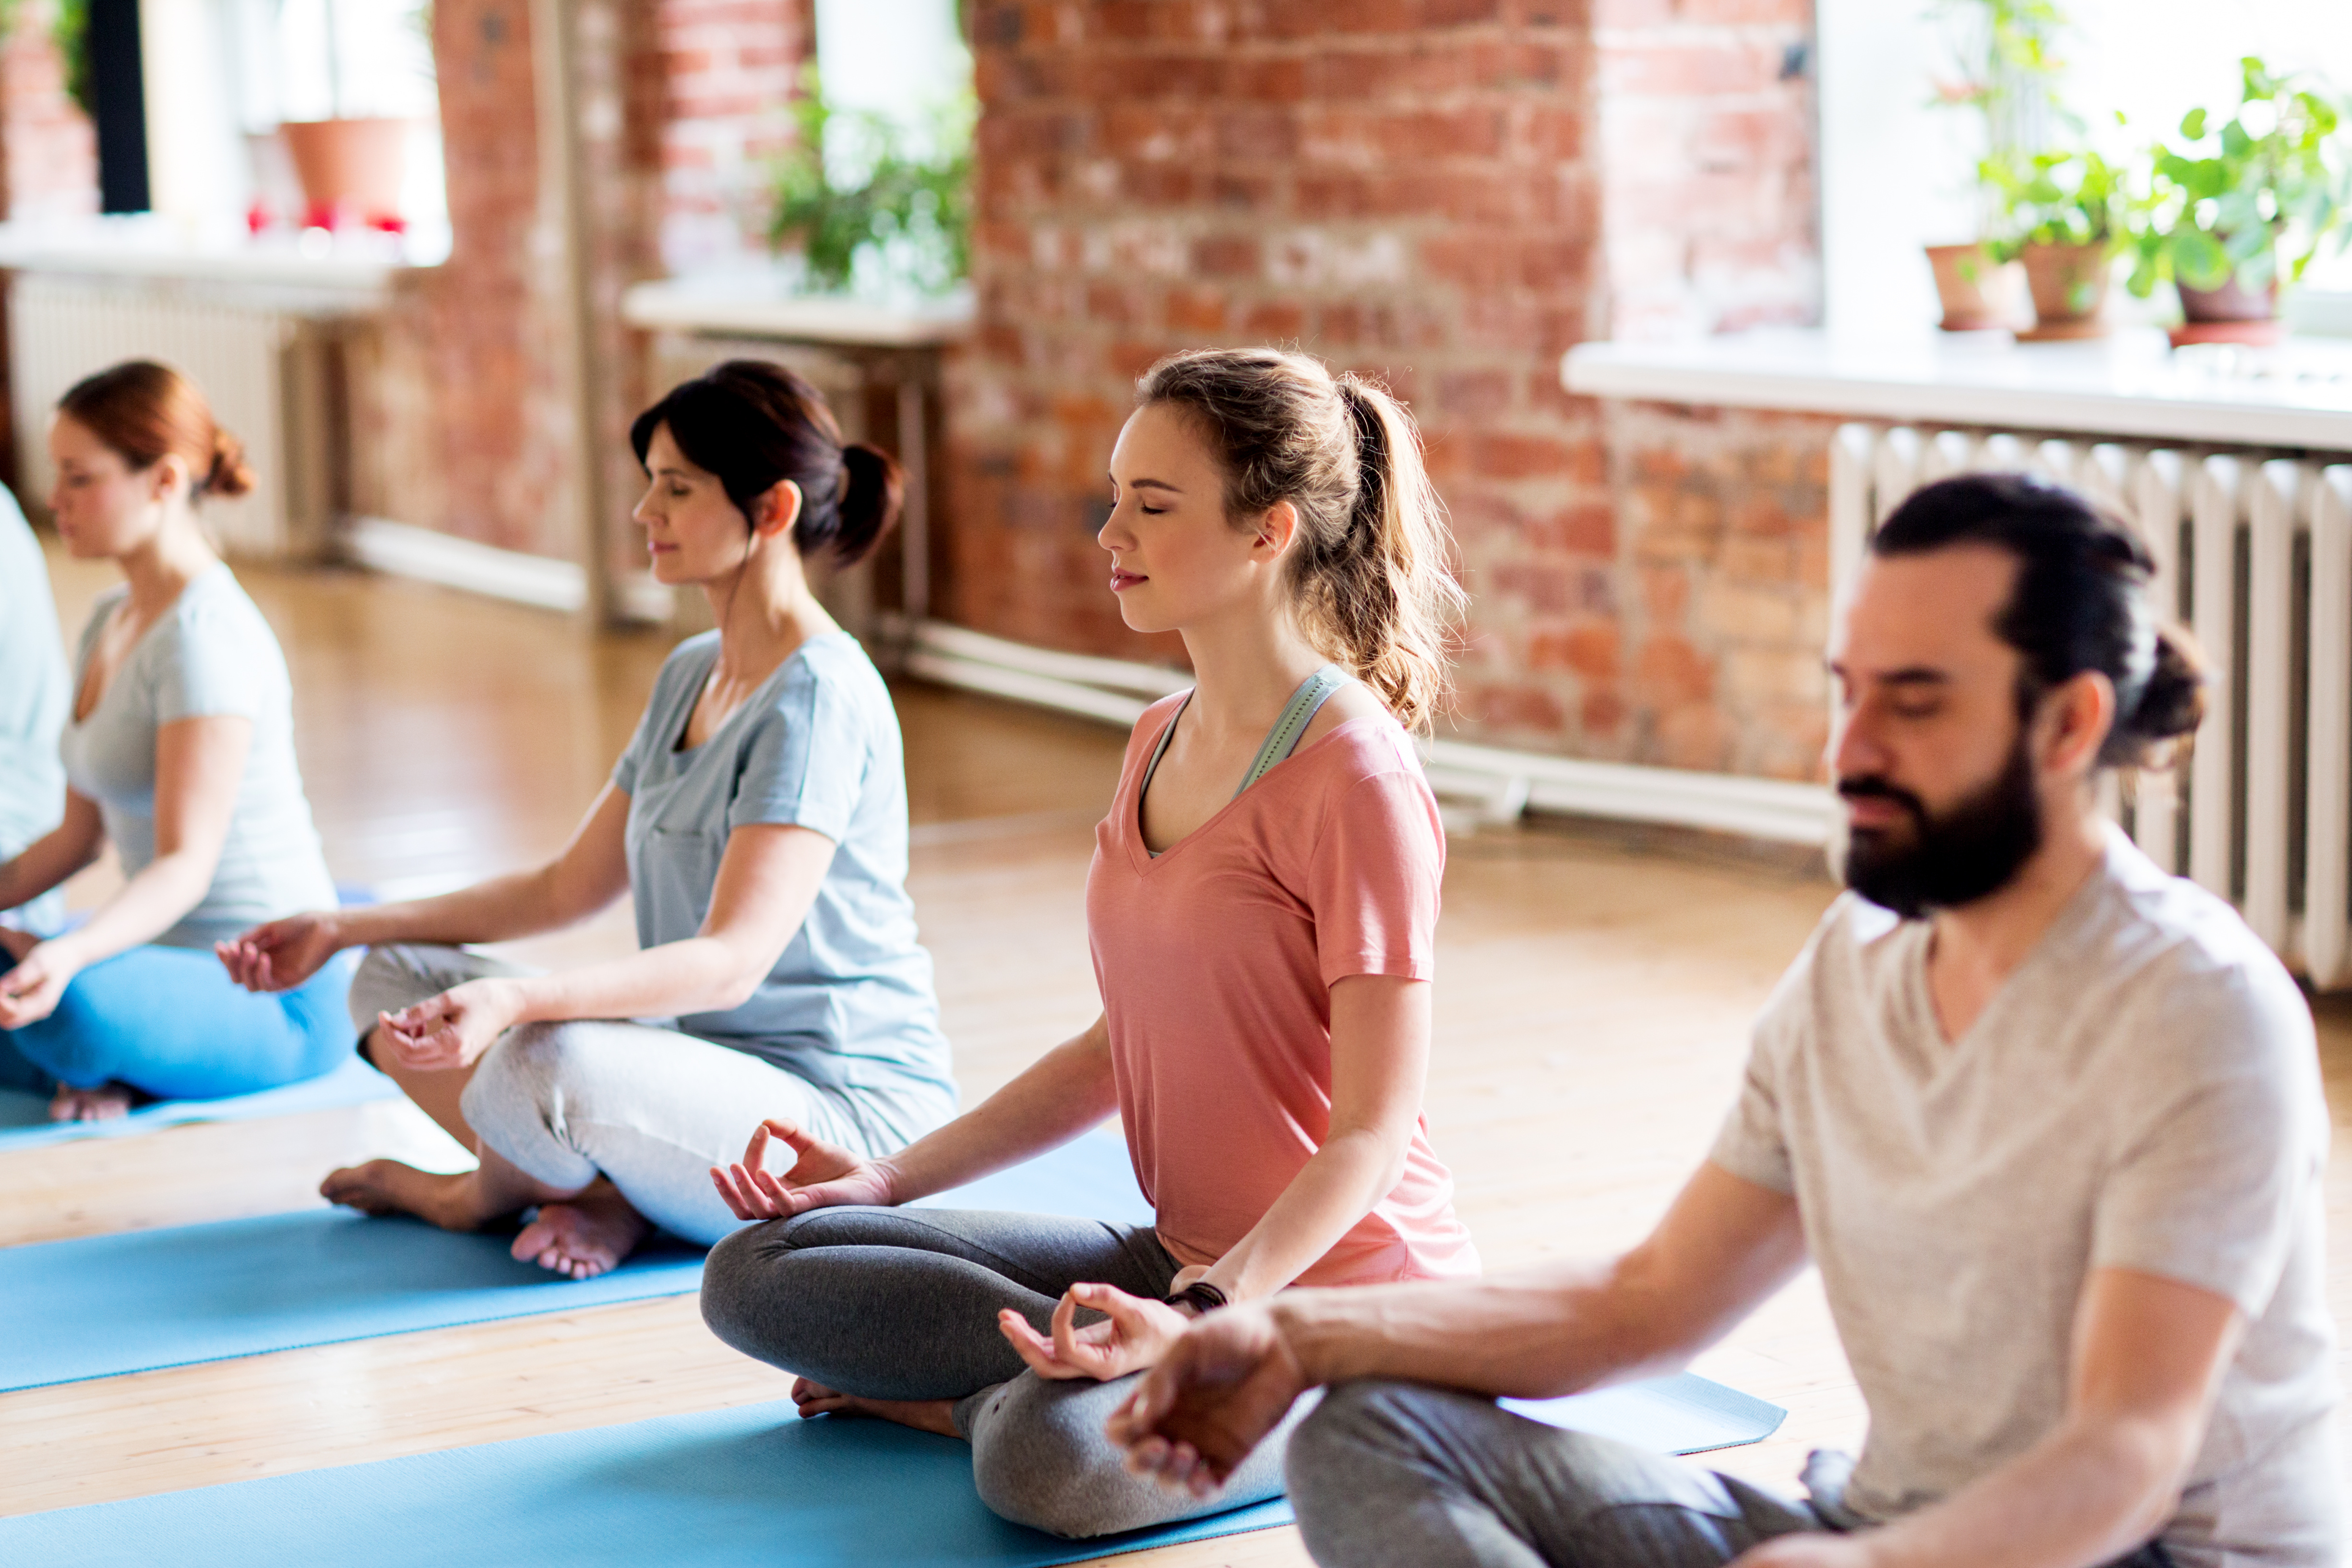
x,y
1369,575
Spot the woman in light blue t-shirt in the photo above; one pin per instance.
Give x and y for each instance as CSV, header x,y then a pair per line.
x,y
33,697
179,751
757,822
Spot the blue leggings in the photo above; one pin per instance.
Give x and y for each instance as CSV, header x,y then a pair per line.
x,y
169,1022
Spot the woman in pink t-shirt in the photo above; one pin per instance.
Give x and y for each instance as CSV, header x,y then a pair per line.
x,y
1263,956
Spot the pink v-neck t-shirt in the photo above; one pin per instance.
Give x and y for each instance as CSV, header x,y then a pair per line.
x,y
1216,962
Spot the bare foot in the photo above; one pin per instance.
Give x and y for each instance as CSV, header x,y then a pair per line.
x,y
585,1234
104,1103
923,1415
387,1186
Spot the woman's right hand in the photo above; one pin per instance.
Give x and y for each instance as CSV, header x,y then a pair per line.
x,y
281,955
822,1174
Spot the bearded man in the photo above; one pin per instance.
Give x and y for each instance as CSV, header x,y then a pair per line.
x,y
2049,1121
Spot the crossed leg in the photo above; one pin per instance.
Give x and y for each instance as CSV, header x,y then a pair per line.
x,y
580,1232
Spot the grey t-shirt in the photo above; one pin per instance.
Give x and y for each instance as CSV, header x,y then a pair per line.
x,y
849,1004
210,654
2142,1093
33,700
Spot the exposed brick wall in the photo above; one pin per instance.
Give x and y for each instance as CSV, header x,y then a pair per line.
x,y
1708,178
1726,537
458,396
1429,191
726,71
49,150
464,427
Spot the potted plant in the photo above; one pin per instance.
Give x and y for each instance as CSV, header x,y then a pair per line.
x,y
863,208
351,167
2240,205
2004,72
2066,215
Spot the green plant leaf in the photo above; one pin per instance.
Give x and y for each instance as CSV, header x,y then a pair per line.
x,y
2198,260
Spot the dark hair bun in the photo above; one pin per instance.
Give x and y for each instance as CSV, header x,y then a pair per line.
x,y
871,493
2172,704
229,475
755,424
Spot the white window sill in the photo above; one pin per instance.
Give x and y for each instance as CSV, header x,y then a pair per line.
x,y
758,305
2129,384
358,270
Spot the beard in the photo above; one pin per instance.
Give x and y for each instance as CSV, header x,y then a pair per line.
x,y
1942,862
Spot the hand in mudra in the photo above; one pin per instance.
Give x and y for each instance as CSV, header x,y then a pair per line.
x,y
451,1030
279,955
822,1176
1225,1383
31,990
1133,1333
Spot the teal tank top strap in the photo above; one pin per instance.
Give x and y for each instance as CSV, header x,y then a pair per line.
x,y
1305,703
1166,733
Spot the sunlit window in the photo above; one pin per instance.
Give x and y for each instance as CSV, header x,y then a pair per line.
x,y
282,116
1896,169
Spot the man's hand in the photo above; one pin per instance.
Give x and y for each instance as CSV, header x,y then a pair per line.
x,y
1225,1383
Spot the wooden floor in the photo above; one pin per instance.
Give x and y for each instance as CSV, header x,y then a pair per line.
x,y
1591,1021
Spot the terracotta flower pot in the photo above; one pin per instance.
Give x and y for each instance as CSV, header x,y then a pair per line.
x,y
2070,289
1973,287
2230,314
351,169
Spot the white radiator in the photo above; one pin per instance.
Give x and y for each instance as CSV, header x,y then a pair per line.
x,y
264,371
2254,552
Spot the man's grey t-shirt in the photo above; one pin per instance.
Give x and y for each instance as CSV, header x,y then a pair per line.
x,y
210,654
2143,1093
849,1003
33,700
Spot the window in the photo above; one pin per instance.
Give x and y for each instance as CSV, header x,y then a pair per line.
x,y
903,60
222,75
1895,173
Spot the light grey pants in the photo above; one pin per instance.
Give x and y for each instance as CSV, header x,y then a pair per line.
x,y
651,1109
1395,1474
901,1303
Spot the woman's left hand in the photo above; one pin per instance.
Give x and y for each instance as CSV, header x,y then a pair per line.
x,y
32,989
1134,1334
452,1030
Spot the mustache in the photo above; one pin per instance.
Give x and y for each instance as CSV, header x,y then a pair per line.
x,y
1872,787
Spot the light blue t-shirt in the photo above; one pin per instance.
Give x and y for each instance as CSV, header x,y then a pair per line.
x,y
33,700
849,1004
210,654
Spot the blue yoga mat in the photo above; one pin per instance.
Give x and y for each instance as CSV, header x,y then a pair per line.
x,y
754,1486
1684,1414
102,1305
24,1118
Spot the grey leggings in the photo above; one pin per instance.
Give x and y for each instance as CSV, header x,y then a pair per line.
x,y
651,1109
901,1303
1394,1475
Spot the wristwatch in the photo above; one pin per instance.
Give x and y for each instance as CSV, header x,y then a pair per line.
x,y
1200,1295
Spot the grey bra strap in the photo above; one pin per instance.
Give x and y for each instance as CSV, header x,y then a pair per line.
x,y
1280,742
1167,733
1305,703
